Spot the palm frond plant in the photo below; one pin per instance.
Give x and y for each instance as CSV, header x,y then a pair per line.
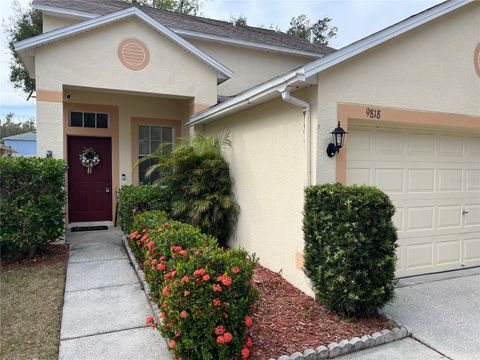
x,y
200,182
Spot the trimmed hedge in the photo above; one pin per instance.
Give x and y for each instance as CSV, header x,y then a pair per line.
x,y
205,294
32,199
134,199
350,242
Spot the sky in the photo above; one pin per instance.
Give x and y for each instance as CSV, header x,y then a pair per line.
x,y
354,19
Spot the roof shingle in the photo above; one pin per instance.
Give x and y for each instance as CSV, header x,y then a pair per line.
x,y
175,20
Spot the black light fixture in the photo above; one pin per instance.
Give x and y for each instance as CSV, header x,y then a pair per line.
x,y
338,135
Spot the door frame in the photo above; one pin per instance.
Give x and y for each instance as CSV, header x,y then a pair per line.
x,y
111,132
109,139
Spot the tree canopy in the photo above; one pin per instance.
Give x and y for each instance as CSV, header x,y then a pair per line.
x,y
189,7
320,32
24,24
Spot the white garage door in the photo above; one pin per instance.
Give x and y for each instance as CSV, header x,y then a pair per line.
x,y
433,178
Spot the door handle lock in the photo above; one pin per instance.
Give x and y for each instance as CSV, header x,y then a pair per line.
x,y
107,188
464,212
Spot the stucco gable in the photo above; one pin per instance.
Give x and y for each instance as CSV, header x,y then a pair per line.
x,y
92,60
26,47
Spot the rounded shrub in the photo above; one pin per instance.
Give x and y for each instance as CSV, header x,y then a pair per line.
x,y
350,242
207,302
32,197
158,244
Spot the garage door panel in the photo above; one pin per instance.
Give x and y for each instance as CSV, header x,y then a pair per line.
x,y
472,179
473,216
472,147
421,144
420,218
419,256
421,180
449,252
390,180
449,216
389,142
431,177
471,250
450,180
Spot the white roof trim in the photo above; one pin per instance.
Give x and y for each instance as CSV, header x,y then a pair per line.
x,y
245,43
188,33
68,13
223,72
248,98
326,62
382,36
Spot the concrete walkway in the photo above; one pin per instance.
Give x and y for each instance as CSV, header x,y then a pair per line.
x,y
105,307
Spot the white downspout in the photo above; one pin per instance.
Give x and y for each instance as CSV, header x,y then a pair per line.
x,y
287,97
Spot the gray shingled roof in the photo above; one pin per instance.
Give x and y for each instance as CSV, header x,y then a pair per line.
x,y
25,136
194,23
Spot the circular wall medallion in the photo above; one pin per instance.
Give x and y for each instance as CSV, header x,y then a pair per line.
x,y
476,59
133,54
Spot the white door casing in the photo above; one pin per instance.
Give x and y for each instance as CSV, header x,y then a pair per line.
x,y
433,179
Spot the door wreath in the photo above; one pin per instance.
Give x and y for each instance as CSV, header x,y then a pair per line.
x,y
89,158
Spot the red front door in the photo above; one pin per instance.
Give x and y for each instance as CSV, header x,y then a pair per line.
x,y
89,194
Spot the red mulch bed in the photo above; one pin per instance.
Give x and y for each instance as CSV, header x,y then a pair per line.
x,y
49,255
288,320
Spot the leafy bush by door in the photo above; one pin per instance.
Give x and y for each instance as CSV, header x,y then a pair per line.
x,y
135,199
32,198
200,184
350,242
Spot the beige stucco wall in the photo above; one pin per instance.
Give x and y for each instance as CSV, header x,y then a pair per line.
x,y
430,68
90,60
51,22
268,168
49,128
250,66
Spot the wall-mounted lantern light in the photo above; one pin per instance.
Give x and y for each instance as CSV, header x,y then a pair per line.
x,y
338,136
49,154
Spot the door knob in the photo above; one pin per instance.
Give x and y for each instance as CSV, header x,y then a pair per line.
x,y
107,188
464,212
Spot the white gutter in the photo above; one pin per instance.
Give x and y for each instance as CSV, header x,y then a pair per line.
x,y
307,130
251,96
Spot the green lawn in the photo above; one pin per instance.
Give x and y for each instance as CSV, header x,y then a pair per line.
x,y
31,294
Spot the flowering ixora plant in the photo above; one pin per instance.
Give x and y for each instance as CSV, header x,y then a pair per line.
x,y
89,158
205,294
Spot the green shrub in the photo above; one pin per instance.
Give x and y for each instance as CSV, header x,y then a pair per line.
x,y
200,183
205,294
32,194
156,242
350,243
207,305
135,199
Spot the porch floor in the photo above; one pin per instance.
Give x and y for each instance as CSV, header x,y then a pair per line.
x,y
105,307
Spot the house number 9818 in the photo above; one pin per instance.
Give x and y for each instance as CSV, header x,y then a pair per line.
x,y
373,113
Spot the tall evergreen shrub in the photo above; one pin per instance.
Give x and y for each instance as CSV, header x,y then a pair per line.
x,y
350,242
